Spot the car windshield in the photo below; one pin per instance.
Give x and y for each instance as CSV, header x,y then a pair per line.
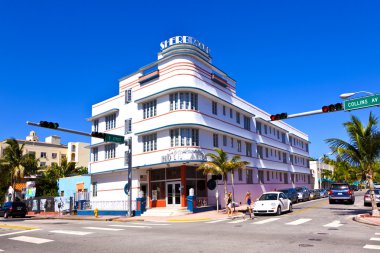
x,y
269,196
299,189
377,192
339,187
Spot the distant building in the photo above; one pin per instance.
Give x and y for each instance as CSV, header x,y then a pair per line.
x,y
317,170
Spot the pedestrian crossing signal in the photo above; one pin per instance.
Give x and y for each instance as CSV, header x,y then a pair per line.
x,y
279,116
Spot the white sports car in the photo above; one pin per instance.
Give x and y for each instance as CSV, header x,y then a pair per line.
x,y
272,202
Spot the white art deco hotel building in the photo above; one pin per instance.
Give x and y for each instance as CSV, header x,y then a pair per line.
x,y
174,111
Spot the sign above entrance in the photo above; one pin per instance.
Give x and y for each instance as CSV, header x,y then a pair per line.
x,y
184,155
184,40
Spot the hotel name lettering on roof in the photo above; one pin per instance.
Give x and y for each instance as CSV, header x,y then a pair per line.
x,y
184,40
184,155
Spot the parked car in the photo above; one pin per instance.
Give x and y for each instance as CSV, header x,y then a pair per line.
x,y
272,202
13,209
324,193
303,193
341,192
291,194
367,197
314,194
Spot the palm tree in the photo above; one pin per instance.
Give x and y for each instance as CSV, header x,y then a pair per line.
x,y
362,151
220,164
19,164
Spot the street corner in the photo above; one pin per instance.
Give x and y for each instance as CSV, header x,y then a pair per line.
x,y
367,219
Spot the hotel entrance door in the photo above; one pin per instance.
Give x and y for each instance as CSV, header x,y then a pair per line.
x,y
173,193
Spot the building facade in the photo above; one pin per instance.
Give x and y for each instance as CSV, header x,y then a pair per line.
x,y
320,171
173,112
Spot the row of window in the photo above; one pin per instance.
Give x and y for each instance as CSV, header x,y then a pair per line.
x,y
110,152
299,144
43,155
184,137
273,155
183,100
247,120
248,146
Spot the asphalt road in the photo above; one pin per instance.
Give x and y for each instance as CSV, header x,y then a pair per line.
x,y
314,226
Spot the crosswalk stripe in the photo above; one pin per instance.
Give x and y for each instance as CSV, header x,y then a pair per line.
x,y
30,239
71,232
19,232
236,221
374,239
151,224
101,228
130,226
266,221
298,222
369,246
1,250
377,233
216,221
334,224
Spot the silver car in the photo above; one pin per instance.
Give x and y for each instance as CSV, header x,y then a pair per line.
x,y
367,197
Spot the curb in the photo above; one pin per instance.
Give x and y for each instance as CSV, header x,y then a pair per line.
x,y
73,218
359,219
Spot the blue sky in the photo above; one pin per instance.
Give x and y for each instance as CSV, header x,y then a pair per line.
x,y
57,58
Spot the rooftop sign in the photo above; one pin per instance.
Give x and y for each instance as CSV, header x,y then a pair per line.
x,y
184,40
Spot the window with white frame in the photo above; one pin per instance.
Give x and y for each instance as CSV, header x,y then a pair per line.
x,y
224,110
110,121
149,142
248,149
258,127
128,96
110,151
247,123
214,108
238,117
96,125
249,176
128,126
259,152
231,114
149,109
95,154
43,154
232,142
240,174
94,189
224,140
183,100
239,145
215,138
184,137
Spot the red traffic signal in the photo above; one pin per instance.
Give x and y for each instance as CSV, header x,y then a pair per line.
x,y
332,107
47,124
279,116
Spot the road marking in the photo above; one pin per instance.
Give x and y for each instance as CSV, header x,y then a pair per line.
x,y
298,222
216,221
368,246
1,250
333,224
129,226
101,228
151,224
266,221
16,227
377,233
19,232
29,239
70,232
323,203
374,239
236,221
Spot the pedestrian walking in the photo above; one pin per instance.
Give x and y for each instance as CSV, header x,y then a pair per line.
x,y
229,204
248,201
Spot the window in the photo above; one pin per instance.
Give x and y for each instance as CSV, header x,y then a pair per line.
x,y
279,155
239,145
232,142
94,154
240,174
238,117
94,189
110,151
280,176
224,140
184,137
247,123
43,154
215,140
258,127
42,164
249,176
111,121
214,108
96,125
224,110
307,147
128,96
265,129
291,159
283,137
231,114
278,134
268,179
284,158
266,152
149,142
259,152
290,140
285,178
128,126
54,155
127,158
248,149
261,176
150,109
183,100
272,175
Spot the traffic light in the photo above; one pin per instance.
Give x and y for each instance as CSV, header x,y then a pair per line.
x,y
332,107
279,116
47,124
98,135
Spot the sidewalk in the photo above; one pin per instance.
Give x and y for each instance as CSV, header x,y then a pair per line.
x,y
367,219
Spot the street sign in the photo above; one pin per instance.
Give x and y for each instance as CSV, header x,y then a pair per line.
x,y
363,102
114,138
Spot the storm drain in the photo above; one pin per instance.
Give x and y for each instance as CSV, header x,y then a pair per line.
x,y
304,245
315,239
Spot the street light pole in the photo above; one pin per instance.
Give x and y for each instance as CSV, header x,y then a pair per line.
x,y
350,94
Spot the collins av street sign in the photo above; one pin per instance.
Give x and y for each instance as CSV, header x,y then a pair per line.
x,y
362,102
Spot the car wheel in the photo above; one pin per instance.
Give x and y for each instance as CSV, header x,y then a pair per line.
x,y
331,201
290,208
352,201
6,215
278,210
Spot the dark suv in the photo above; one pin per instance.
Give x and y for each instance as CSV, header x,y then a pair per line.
x,y
342,192
291,194
13,209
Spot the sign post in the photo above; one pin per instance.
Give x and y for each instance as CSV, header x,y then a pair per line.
x,y
362,102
